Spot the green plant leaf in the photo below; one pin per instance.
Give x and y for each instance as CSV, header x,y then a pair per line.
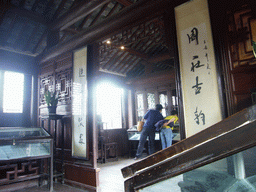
x,y
51,99
254,48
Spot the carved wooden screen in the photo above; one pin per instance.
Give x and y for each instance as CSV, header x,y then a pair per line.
x,y
56,76
242,63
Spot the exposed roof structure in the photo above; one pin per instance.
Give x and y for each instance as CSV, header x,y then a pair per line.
x,y
27,27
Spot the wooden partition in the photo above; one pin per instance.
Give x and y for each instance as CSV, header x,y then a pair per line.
x,y
57,75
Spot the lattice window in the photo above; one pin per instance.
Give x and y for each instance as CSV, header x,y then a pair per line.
x,y
163,100
63,85
151,100
46,83
242,30
140,106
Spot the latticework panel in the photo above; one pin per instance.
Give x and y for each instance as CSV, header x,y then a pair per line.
x,y
15,171
242,31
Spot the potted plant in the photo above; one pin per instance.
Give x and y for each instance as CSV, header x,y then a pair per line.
x,y
254,48
51,101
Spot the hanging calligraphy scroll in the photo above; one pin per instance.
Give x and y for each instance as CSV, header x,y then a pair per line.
x,y
202,107
79,104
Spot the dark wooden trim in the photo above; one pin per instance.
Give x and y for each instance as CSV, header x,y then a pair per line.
x,y
90,107
78,173
219,29
170,30
93,51
159,78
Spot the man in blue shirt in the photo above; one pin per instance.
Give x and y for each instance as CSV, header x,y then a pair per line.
x,y
152,117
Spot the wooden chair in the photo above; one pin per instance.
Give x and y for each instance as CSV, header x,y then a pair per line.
x,y
107,150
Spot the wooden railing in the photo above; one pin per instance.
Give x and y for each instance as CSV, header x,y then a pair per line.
x,y
231,135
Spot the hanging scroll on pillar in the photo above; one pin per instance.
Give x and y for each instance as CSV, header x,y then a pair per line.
x,y
79,105
202,107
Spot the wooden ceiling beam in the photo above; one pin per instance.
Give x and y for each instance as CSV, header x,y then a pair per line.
x,y
43,36
133,66
122,61
81,26
162,76
134,61
61,6
138,11
121,66
112,10
143,56
99,14
159,58
117,60
124,2
78,13
71,30
110,60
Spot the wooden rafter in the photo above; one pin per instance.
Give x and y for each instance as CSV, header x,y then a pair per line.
x,y
115,60
107,26
99,14
44,35
120,67
81,26
110,60
78,13
112,10
121,61
124,2
132,66
135,61
61,6
159,58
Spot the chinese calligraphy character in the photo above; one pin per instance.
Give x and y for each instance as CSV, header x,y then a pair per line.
x,y
197,87
205,47
208,67
81,141
80,119
196,65
206,55
198,115
81,72
193,36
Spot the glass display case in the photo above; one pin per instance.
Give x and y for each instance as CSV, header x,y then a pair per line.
x,y
134,137
21,144
17,143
